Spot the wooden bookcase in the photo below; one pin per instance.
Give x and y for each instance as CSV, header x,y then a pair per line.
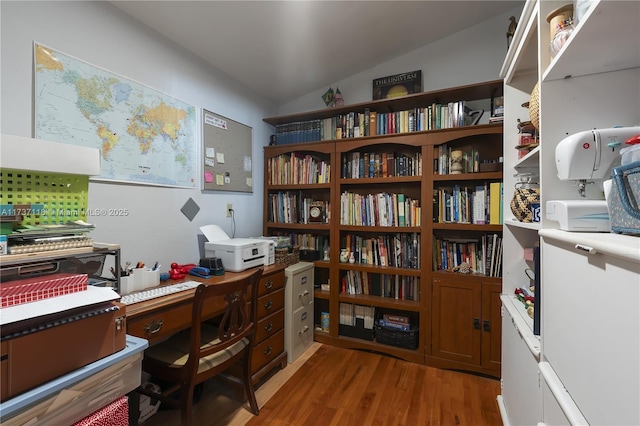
x,y
414,277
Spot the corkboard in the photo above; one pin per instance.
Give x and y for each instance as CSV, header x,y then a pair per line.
x,y
227,154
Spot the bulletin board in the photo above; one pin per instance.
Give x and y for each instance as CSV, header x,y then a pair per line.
x,y
227,154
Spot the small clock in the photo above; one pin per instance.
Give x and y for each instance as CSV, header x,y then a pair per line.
x,y
315,212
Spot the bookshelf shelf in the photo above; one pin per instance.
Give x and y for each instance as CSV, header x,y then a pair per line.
x,y
370,176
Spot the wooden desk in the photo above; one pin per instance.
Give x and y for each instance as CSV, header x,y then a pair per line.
x,y
157,319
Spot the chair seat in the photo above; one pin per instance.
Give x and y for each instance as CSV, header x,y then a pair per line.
x,y
174,352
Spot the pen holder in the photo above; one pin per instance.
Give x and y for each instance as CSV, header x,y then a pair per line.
x,y
137,277
126,285
151,277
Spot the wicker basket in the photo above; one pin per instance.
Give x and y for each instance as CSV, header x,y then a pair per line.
x,y
396,337
534,106
287,255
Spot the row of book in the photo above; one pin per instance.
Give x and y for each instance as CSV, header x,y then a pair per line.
x,y
306,240
293,207
349,312
478,205
469,161
400,250
392,286
356,165
371,123
297,168
381,209
483,255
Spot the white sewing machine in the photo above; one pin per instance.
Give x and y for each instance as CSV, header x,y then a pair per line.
x,y
582,157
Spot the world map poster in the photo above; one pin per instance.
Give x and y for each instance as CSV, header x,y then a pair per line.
x,y
144,136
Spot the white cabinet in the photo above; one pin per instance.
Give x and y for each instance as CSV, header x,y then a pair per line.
x,y
591,323
298,309
593,82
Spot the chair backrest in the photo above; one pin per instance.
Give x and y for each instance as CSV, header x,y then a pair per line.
x,y
238,320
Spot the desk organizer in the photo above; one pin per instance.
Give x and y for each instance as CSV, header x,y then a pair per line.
x,y
44,198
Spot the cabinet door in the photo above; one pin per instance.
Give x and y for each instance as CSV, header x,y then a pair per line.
x,y
491,326
457,320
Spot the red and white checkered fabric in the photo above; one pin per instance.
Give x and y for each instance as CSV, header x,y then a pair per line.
x,y
32,289
114,414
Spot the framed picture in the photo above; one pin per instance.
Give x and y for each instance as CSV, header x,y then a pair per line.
x,y
397,85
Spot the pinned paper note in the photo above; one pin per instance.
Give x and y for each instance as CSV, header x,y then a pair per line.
x,y
227,178
249,182
247,164
208,177
220,157
215,121
209,162
210,152
220,180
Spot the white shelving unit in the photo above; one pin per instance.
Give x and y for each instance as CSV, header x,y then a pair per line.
x,y
593,82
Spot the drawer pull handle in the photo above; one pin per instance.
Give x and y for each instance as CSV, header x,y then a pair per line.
x,y
304,293
268,284
154,327
267,351
476,323
304,330
268,305
268,327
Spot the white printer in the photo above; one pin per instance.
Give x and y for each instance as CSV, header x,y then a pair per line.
x,y
237,254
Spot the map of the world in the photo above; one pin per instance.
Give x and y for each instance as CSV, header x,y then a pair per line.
x,y
144,136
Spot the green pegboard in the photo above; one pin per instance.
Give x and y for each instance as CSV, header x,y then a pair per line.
x,y
44,198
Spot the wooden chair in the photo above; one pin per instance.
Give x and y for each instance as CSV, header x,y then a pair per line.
x,y
193,356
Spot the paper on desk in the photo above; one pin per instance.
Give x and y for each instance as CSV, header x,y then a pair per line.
x,y
214,233
52,305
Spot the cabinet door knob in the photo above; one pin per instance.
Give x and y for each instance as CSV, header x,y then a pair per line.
x,y
268,327
269,304
486,325
268,284
267,350
476,323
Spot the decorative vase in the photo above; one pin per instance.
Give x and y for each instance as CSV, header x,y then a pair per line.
x,y
456,163
352,258
344,256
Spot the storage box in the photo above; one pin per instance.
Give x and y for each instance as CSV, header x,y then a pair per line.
x,y
358,331
38,288
66,343
396,337
94,386
624,199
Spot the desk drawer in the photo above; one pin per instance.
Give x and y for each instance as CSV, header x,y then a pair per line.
x,y
270,283
270,303
157,325
265,352
269,326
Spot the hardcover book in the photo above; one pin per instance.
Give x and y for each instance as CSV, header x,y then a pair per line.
x,y
397,85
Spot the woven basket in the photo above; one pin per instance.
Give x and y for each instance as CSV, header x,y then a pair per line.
x,y
287,255
395,337
534,106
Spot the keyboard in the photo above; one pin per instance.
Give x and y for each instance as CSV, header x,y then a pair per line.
x,y
152,293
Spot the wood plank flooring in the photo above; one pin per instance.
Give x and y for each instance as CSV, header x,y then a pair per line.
x,y
335,386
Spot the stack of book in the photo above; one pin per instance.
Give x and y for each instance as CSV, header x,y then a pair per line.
x,y
399,322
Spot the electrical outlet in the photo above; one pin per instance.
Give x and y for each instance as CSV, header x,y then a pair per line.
x,y
229,208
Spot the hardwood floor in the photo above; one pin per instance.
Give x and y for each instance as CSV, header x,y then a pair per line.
x,y
335,386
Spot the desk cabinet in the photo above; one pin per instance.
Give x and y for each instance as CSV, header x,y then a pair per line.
x,y
268,351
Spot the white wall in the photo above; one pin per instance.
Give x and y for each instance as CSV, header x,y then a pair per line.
x,y
100,34
470,56
96,32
